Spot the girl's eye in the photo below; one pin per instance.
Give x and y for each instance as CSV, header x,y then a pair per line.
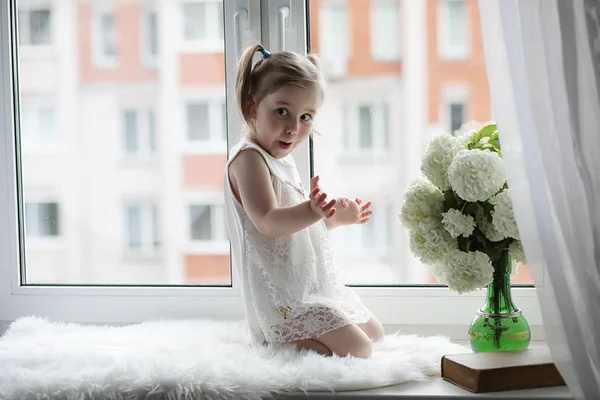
x,y
306,117
282,111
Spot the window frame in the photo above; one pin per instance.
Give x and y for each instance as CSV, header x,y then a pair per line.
x,y
352,135
215,144
373,14
149,210
101,60
447,50
32,5
335,67
144,151
440,310
202,247
453,93
149,60
208,45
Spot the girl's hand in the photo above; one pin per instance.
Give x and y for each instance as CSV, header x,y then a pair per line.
x,y
351,212
318,200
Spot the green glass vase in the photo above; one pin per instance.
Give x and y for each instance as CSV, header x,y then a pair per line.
x,y
499,324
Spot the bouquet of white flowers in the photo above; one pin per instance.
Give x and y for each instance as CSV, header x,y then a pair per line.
x,y
459,215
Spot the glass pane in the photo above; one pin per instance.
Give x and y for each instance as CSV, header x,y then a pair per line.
x,y
201,223
106,215
457,116
40,27
370,106
195,21
131,132
109,34
457,22
134,226
198,126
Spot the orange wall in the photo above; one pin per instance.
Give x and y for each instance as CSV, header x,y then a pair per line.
x,y
204,171
208,269
202,69
130,68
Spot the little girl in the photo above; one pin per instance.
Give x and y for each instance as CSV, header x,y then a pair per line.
x,y
291,289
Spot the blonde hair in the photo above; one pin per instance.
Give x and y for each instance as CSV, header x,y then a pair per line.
x,y
271,73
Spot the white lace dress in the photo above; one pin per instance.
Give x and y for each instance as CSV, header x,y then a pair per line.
x,y
290,285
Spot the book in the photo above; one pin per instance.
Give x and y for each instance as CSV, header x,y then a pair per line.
x,y
494,372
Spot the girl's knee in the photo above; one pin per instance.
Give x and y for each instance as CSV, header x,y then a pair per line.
x,y
362,349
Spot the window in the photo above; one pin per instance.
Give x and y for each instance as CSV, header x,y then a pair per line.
x,y
453,30
139,132
141,222
202,25
366,128
150,35
35,26
454,111
335,36
42,220
205,123
385,30
111,219
457,116
207,223
106,45
38,123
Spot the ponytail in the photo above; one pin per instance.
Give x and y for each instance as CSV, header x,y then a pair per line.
x,y
243,79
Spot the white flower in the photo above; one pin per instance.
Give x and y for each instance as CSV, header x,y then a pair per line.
x,y
457,223
475,175
438,156
465,138
503,217
465,272
421,200
487,228
429,241
516,251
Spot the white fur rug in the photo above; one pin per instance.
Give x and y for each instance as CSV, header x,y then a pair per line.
x,y
197,359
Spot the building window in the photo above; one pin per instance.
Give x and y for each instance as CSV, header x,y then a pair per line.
x,y
35,26
366,128
206,121
139,129
457,116
141,222
207,223
106,44
203,24
150,37
38,123
335,36
42,219
385,30
453,29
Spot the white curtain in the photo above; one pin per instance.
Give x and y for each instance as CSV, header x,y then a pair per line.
x,y
543,64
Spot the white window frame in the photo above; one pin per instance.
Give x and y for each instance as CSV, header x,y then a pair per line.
x,y
210,45
335,65
446,49
217,125
144,152
376,51
30,50
205,247
454,93
100,59
439,310
148,59
351,114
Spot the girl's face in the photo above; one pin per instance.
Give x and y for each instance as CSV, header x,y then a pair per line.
x,y
284,119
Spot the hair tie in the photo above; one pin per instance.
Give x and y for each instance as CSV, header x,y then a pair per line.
x,y
265,53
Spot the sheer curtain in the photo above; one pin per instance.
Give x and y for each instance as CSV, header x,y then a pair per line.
x,y
543,63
